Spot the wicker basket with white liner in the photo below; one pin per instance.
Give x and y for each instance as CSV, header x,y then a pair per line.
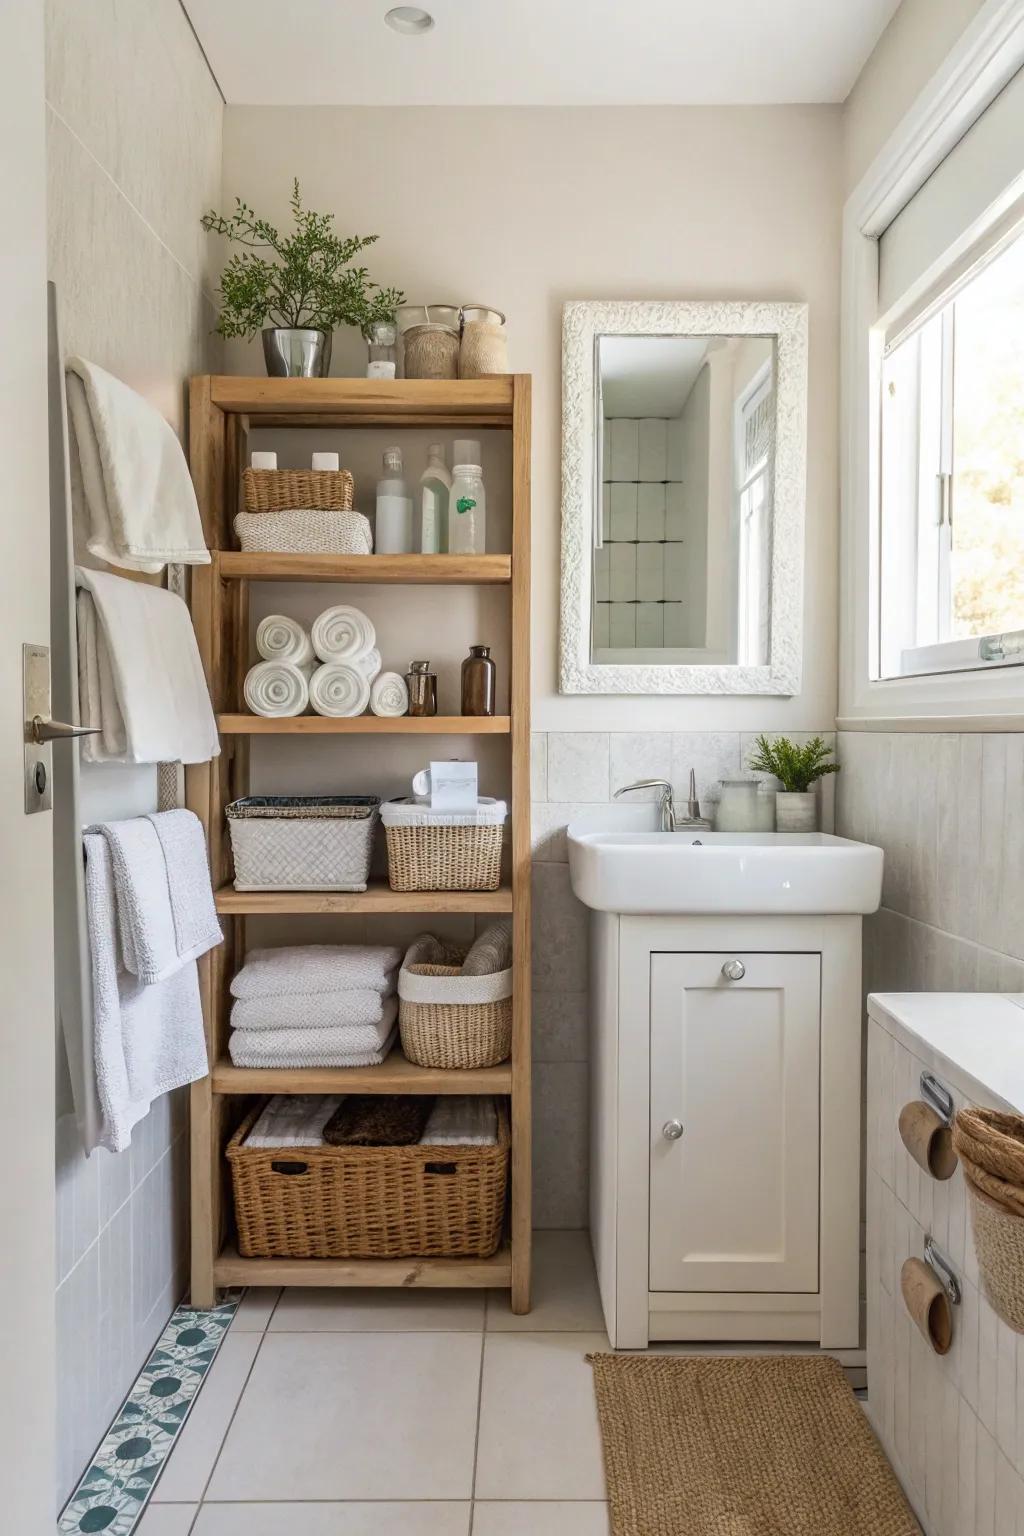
x,y
432,850
302,842
452,1013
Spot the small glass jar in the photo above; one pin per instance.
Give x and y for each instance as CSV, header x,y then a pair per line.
x,y
422,685
479,681
467,511
382,344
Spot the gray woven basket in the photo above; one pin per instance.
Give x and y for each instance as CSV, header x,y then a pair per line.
x,y
302,843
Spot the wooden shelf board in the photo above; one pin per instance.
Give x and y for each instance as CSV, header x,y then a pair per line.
x,y
395,1075
484,400
378,898
230,1269
409,570
364,725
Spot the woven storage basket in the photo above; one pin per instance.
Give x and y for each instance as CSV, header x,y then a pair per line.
x,y
993,1140
282,490
369,1202
450,1020
302,843
302,532
999,1245
446,852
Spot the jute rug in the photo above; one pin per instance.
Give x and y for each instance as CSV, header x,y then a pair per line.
x,y
738,1446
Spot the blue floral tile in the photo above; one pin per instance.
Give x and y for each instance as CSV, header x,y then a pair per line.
x,y
116,1486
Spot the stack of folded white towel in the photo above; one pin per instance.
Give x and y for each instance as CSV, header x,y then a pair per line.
x,y
315,1005
298,1120
335,667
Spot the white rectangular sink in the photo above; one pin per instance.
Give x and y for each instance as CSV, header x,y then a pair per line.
x,y
634,871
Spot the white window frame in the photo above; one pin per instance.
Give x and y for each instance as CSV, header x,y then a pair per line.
x,y
988,55
757,390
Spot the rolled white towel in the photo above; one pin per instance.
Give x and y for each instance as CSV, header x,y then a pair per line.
x,y
342,633
370,664
389,695
277,689
280,638
339,689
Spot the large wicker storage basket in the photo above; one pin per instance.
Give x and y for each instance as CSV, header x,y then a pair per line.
x,y
302,842
451,1020
428,851
288,490
369,1202
999,1246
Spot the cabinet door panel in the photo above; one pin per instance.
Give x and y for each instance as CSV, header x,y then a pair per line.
x,y
734,1200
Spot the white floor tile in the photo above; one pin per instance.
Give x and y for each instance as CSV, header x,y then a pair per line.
x,y
355,1416
167,1520
338,1520
539,1436
587,1518
565,1296
344,1311
188,1468
255,1310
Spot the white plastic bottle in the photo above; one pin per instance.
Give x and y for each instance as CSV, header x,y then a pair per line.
x,y
394,508
435,484
467,511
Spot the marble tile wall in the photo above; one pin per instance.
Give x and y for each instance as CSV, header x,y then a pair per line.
x,y
134,125
573,772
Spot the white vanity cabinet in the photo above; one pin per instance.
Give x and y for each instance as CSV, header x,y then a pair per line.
x,y
725,1131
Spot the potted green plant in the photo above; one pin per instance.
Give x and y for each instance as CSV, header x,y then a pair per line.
x,y
296,288
798,769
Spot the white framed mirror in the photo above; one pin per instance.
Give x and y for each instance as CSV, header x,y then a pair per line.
x,y
683,487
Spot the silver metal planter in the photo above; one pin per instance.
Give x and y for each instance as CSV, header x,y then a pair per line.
x,y
299,353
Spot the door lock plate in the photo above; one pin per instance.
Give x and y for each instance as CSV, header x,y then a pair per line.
x,y
35,687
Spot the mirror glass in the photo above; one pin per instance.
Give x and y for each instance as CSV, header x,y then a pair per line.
x,y
684,483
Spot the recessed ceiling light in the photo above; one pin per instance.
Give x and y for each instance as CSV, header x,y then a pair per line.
x,y
409,19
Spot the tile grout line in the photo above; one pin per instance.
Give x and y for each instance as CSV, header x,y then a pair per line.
x,y
231,1420
479,1405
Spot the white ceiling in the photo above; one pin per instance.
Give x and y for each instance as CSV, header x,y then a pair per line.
x,y
649,375
539,52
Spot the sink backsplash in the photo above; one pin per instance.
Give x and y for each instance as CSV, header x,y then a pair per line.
x,y
574,771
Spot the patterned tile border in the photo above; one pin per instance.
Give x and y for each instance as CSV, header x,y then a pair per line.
x,y
116,1486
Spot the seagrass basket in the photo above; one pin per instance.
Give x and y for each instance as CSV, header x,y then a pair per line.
x,y
450,851
999,1245
449,1019
289,490
369,1202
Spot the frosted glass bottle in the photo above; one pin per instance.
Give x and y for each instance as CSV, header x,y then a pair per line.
x,y
435,484
393,535
467,511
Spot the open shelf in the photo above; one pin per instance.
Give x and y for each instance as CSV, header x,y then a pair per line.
x,y
370,402
379,897
364,725
408,570
230,1269
395,1075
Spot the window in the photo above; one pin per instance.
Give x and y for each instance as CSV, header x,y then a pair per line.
x,y
952,478
755,422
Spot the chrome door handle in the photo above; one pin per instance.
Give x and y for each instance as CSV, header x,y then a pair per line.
x,y
672,1130
734,970
40,730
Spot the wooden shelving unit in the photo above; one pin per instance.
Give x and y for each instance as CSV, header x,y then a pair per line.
x,y
222,410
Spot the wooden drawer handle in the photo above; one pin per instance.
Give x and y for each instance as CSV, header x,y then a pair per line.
x,y
928,1305
928,1139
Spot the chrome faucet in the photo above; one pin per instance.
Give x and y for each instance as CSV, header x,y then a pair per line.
x,y
668,805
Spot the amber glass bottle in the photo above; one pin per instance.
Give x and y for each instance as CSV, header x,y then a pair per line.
x,y
478,681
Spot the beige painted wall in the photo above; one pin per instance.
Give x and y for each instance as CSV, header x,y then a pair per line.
x,y
904,59
525,208
133,159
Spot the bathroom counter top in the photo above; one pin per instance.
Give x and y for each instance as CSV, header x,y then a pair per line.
x,y
978,1036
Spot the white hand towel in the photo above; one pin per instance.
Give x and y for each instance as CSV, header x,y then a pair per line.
x,y
342,633
294,1120
338,689
277,689
457,1121
317,968
330,1010
389,695
141,679
196,924
147,1040
370,664
364,1047
129,470
279,638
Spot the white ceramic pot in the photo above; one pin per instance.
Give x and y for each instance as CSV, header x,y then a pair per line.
x,y
796,812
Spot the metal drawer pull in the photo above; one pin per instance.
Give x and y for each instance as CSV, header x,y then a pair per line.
x,y
939,1097
943,1268
734,970
672,1130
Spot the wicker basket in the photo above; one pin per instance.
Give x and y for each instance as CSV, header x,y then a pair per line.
x,y
284,490
301,532
999,1245
993,1140
446,852
302,843
369,1202
448,1019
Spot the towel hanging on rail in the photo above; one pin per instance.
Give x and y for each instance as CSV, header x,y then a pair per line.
x,y
129,479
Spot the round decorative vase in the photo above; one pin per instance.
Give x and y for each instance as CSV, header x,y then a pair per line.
x,y
796,812
297,353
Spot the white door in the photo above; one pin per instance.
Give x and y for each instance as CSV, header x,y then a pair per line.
x,y
26,871
734,1122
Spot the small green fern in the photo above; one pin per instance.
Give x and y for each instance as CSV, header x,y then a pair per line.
x,y
796,767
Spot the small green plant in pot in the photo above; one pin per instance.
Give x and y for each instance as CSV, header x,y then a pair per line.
x,y
296,288
798,769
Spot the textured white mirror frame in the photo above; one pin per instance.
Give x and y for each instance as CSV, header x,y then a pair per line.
x,y
583,323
